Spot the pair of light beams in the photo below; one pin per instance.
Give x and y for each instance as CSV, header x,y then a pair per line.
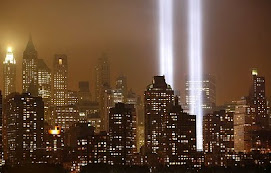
x,y
166,55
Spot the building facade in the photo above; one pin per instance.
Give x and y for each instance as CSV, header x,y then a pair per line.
x,y
218,137
60,80
122,134
159,98
23,129
29,68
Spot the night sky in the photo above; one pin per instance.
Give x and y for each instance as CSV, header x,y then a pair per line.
x,y
237,37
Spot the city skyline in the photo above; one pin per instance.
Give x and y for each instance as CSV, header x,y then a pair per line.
x,y
223,56
135,86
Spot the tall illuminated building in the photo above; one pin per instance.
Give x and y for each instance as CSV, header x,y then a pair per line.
x,y
208,91
29,68
23,129
44,79
251,119
218,137
44,85
158,99
9,66
122,134
60,80
258,101
181,136
200,99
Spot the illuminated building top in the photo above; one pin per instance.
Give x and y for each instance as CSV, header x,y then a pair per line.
x,y
9,57
254,72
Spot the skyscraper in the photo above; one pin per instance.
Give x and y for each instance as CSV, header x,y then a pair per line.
x,y
208,93
257,100
122,134
44,85
200,99
251,119
102,77
44,80
60,80
218,135
102,83
9,76
159,98
23,129
29,68
181,136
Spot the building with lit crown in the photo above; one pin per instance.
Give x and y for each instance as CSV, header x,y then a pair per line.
x,y
9,66
60,80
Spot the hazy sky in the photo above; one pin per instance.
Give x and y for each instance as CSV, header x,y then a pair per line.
x,y
237,37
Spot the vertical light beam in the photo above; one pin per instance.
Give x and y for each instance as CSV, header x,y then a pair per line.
x,y
195,66
166,40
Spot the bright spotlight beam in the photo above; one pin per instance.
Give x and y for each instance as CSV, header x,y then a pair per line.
x,y
166,40
195,66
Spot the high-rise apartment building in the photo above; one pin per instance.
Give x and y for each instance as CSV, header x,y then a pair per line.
x,y
9,66
65,116
251,119
159,98
23,129
181,136
60,80
218,137
122,134
29,68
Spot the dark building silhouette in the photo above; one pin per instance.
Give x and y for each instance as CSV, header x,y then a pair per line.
x,y
23,128
84,94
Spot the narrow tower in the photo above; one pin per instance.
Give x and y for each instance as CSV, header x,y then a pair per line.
x,y
60,80
9,66
29,68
